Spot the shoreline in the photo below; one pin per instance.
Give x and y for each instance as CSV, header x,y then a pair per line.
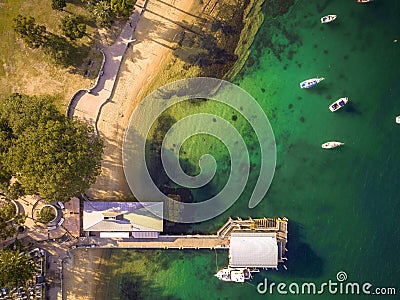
x,y
142,61
154,43
143,69
152,61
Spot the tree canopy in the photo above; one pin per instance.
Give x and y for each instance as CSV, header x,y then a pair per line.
x,y
73,27
8,228
51,155
58,4
122,7
102,13
46,215
15,268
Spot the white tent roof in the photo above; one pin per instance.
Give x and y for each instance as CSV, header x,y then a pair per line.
x,y
257,250
135,216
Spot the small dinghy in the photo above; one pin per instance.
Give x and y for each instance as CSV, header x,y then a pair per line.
x,y
328,19
338,104
310,82
331,145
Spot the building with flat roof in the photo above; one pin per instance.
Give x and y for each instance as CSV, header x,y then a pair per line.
x,y
122,219
253,250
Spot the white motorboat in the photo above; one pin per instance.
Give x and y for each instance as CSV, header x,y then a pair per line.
x,y
328,18
331,145
310,82
364,1
338,104
233,274
398,119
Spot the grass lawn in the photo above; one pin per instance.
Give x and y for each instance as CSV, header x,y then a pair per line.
x,y
29,71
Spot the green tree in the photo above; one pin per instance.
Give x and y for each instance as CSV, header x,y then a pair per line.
x,y
50,155
7,228
32,35
122,7
19,112
15,268
46,215
58,4
5,174
15,191
7,210
73,27
102,13
9,221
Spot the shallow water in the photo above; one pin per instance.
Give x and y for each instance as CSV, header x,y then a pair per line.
x,y
342,204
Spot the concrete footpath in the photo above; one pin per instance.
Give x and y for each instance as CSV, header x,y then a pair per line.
x,y
89,104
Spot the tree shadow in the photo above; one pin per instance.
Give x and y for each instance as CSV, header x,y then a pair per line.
x,y
64,53
79,3
123,281
212,49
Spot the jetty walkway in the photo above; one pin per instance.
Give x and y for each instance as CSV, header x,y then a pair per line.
x,y
218,241
162,242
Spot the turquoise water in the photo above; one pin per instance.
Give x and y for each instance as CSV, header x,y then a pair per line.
x,y
343,205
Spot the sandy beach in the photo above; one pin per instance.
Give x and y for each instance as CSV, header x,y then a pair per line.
x,y
81,273
154,35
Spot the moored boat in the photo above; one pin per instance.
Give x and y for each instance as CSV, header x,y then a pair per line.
x,y
331,145
310,82
398,119
233,274
338,104
364,1
328,18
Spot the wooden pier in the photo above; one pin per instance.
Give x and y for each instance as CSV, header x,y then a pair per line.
x,y
178,242
218,241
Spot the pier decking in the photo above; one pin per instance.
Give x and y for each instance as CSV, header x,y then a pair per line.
x,y
277,226
178,242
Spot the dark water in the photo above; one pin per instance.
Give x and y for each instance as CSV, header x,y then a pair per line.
x,y
343,205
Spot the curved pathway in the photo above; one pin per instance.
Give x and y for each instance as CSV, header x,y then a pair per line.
x,y
156,35
88,104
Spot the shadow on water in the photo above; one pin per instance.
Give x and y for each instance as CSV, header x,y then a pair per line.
x,y
320,89
134,287
154,145
302,261
128,281
352,108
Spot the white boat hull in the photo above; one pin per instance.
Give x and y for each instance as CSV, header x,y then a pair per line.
x,y
310,82
331,145
233,274
338,104
328,19
398,119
